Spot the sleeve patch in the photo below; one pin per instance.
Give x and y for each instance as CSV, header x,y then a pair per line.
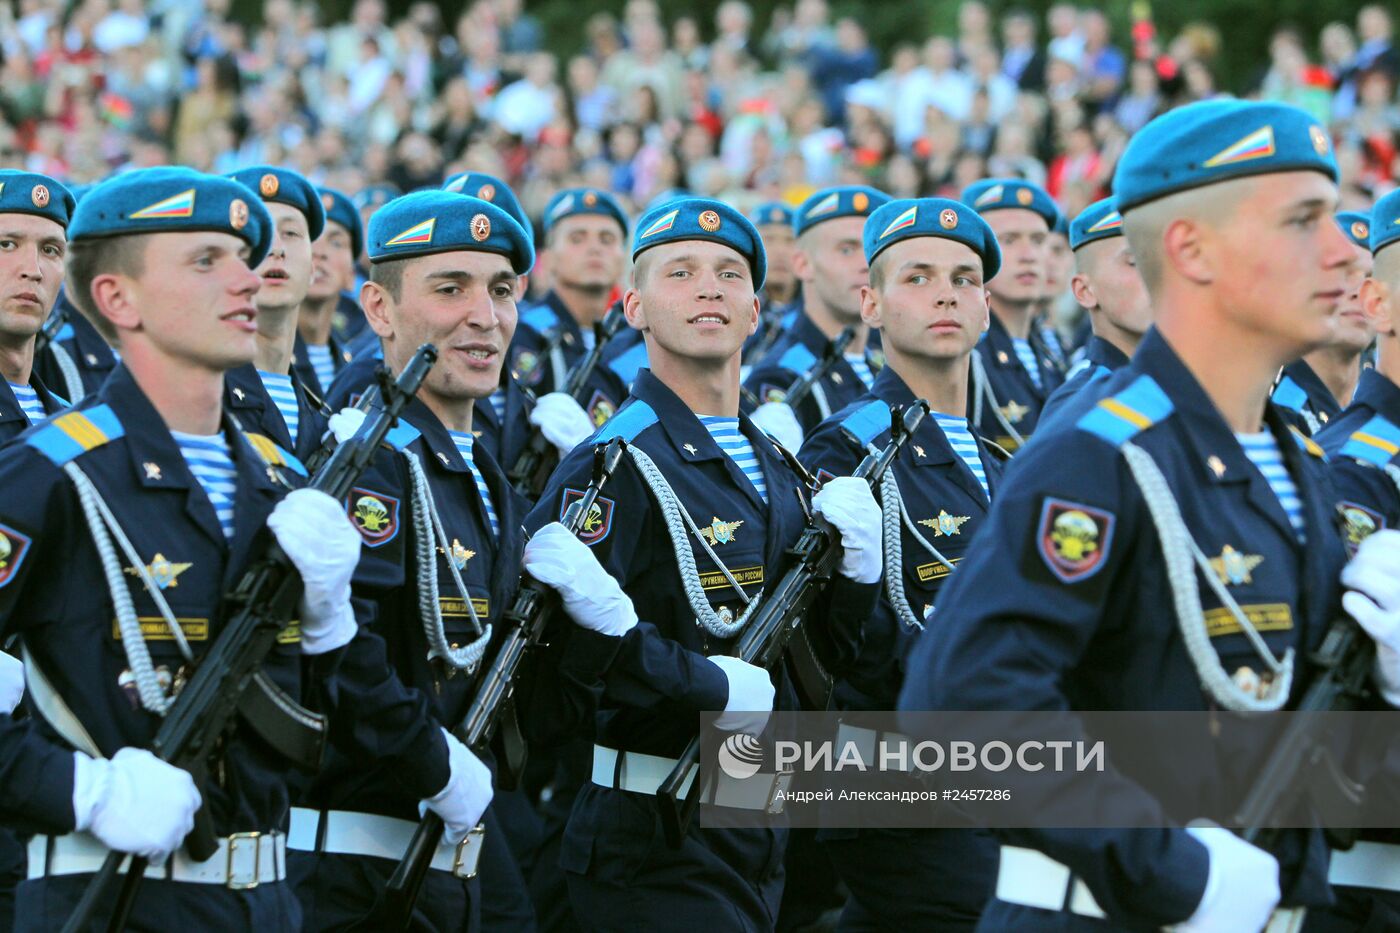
x,y
598,522
14,548
1074,539
374,515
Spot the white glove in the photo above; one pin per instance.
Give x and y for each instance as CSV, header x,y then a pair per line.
x,y
750,695
1241,889
345,424
562,421
467,794
778,419
852,510
1373,580
324,547
11,682
591,596
134,802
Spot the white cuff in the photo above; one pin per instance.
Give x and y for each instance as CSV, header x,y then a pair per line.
x,y
329,634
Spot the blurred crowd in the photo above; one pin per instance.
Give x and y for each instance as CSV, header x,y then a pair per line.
x,y
654,103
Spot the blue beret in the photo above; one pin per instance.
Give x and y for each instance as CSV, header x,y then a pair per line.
x,y
427,222
342,210
1061,225
702,219
831,203
1098,221
772,212
1357,227
375,196
908,218
1385,221
1216,140
284,186
490,188
31,193
994,194
172,199
572,201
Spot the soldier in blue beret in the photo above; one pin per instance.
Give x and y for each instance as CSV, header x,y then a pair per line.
x,y
1059,269
585,233
779,300
831,267
34,212
1228,207
929,261
328,318
1315,389
493,190
270,394
1363,449
148,467
1108,287
372,198
1014,372
440,526
636,684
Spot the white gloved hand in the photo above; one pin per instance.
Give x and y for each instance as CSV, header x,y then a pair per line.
x,y
591,596
750,695
324,547
345,424
562,421
1241,889
846,502
11,682
467,794
134,802
1372,578
779,420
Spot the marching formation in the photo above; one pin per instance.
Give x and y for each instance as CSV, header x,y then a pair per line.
x,y
397,605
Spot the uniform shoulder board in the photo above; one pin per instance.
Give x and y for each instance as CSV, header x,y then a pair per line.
x,y
1119,418
540,318
631,419
867,422
797,358
274,455
1288,394
1307,444
401,435
628,363
71,434
1377,442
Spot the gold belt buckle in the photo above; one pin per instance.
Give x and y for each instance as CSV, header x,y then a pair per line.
x,y
255,838
468,854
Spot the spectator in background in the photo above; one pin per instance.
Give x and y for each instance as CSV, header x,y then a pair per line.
x,y
456,122
974,30
1102,67
685,41
1021,59
1066,38
648,63
838,65
593,103
733,25
527,106
949,90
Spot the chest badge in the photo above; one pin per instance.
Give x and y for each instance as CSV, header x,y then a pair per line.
x,y
1217,466
460,555
689,448
1235,567
836,378
945,525
1014,412
152,470
238,393
164,572
720,532
918,451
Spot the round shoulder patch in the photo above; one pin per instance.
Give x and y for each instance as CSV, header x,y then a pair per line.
x,y
1073,538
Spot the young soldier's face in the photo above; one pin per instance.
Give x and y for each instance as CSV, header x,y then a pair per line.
x,y
1110,281
31,270
780,244
931,303
831,264
462,302
332,263
694,299
1280,262
286,272
586,252
1059,265
1021,234
195,299
1354,330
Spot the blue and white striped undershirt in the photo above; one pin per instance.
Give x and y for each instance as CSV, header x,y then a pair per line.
x,y
284,396
29,403
964,445
1028,359
208,459
323,363
732,441
1262,450
498,404
862,368
464,444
